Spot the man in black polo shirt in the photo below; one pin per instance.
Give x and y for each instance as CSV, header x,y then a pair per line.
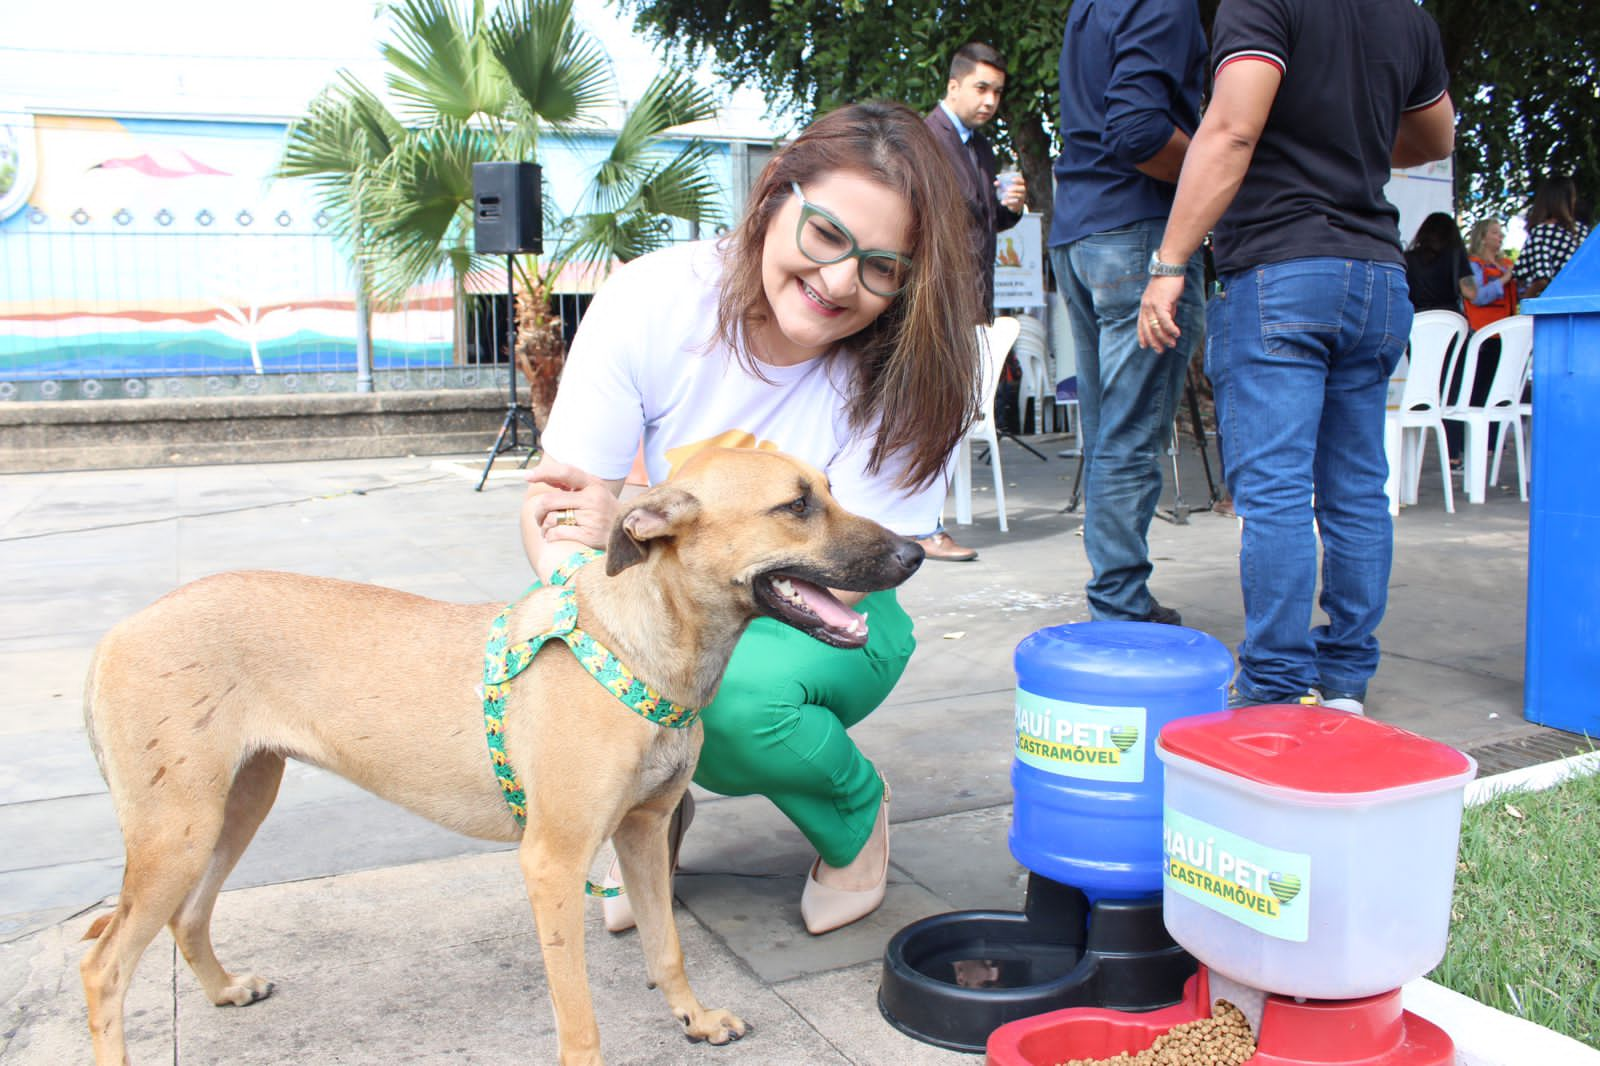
x,y
1313,102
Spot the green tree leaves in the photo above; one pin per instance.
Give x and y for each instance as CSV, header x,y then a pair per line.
x,y
1527,94
1523,73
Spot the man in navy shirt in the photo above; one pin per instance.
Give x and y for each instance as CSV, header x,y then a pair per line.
x,y
1131,75
1313,102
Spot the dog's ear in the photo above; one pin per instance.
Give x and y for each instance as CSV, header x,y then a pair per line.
x,y
661,512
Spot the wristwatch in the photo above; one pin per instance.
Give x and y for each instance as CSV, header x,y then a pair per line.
x,y
1158,269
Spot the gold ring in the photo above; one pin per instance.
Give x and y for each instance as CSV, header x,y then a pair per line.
x,y
567,517
1153,321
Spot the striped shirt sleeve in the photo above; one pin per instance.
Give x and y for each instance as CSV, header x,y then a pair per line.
x,y
1252,53
1258,30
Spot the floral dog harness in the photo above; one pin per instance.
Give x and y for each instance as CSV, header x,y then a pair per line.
x,y
502,662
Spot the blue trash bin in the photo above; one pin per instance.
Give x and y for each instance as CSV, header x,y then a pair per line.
x,y
1562,669
1087,785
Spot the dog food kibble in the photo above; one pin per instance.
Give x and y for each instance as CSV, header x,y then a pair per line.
x,y
1224,1039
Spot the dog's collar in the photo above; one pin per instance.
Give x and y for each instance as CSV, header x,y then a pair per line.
x,y
503,661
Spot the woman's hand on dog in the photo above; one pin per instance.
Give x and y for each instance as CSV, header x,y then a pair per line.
x,y
568,504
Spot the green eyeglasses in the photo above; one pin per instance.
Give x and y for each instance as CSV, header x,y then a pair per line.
x,y
823,239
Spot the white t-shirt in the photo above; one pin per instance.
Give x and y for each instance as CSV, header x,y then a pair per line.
x,y
646,361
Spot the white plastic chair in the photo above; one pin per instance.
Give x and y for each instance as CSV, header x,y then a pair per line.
x,y
1393,442
1038,381
1525,415
1067,406
1064,352
994,341
1436,337
1501,408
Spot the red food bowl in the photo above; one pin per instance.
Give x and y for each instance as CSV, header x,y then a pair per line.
x,y
1374,1031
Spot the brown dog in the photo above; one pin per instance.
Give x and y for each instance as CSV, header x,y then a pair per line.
x,y
193,705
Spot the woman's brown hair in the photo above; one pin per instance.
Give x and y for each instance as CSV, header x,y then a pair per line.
x,y
1553,202
921,354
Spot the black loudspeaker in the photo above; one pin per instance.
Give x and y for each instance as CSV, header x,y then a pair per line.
x,y
506,213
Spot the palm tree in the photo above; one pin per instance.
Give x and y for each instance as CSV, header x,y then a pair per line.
x,y
476,87
340,142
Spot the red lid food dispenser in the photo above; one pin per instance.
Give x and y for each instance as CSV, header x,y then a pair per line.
x,y
1309,852
1375,1031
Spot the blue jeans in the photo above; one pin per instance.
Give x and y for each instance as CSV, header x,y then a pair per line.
x,y
1299,354
1127,397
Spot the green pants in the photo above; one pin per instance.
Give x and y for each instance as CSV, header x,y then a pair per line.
x,y
777,726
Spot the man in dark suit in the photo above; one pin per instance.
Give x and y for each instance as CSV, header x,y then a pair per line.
x,y
971,97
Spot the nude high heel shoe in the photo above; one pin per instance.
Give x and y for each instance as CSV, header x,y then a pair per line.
x,y
615,910
824,908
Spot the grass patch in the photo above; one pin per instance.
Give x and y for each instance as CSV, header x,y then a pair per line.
x,y
1525,920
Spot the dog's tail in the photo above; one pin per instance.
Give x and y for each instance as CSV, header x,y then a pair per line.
x,y
98,926
88,714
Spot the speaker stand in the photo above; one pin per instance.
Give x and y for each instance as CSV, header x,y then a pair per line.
x,y
1024,445
1180,511
517,414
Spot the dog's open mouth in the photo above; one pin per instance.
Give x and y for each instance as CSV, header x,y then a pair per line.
x,y
811,609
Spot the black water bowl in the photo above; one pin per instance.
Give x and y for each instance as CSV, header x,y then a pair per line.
x,y
952,979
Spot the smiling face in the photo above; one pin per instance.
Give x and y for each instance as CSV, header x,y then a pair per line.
x,y
815,306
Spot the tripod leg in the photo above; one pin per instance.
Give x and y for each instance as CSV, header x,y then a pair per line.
x,y
1019,442
1180,510
526,417
1077,487
1199,428
516,414
507,425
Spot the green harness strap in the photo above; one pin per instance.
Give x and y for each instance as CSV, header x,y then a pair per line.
x,y
502,662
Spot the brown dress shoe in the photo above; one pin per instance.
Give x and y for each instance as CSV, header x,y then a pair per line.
x,y
940,546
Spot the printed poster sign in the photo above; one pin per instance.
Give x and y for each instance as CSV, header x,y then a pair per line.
x,y
1081,740
1019,264
1258,886
1420,191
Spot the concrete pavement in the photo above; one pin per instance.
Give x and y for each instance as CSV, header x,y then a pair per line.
x,y
393,940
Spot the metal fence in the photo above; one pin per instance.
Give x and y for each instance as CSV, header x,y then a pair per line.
x,y
222,302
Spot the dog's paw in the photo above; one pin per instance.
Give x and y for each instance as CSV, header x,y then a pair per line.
x,y
243,990
716,1027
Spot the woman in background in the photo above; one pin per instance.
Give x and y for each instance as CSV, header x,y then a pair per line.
x,y
1491,294
1554,234
1494,286
1438,272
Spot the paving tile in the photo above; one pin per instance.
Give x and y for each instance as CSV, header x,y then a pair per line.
x,y
397,941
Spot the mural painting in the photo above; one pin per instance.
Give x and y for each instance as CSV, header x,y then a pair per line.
x,y
139,248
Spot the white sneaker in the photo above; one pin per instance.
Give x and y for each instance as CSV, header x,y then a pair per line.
x,y
1347,704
